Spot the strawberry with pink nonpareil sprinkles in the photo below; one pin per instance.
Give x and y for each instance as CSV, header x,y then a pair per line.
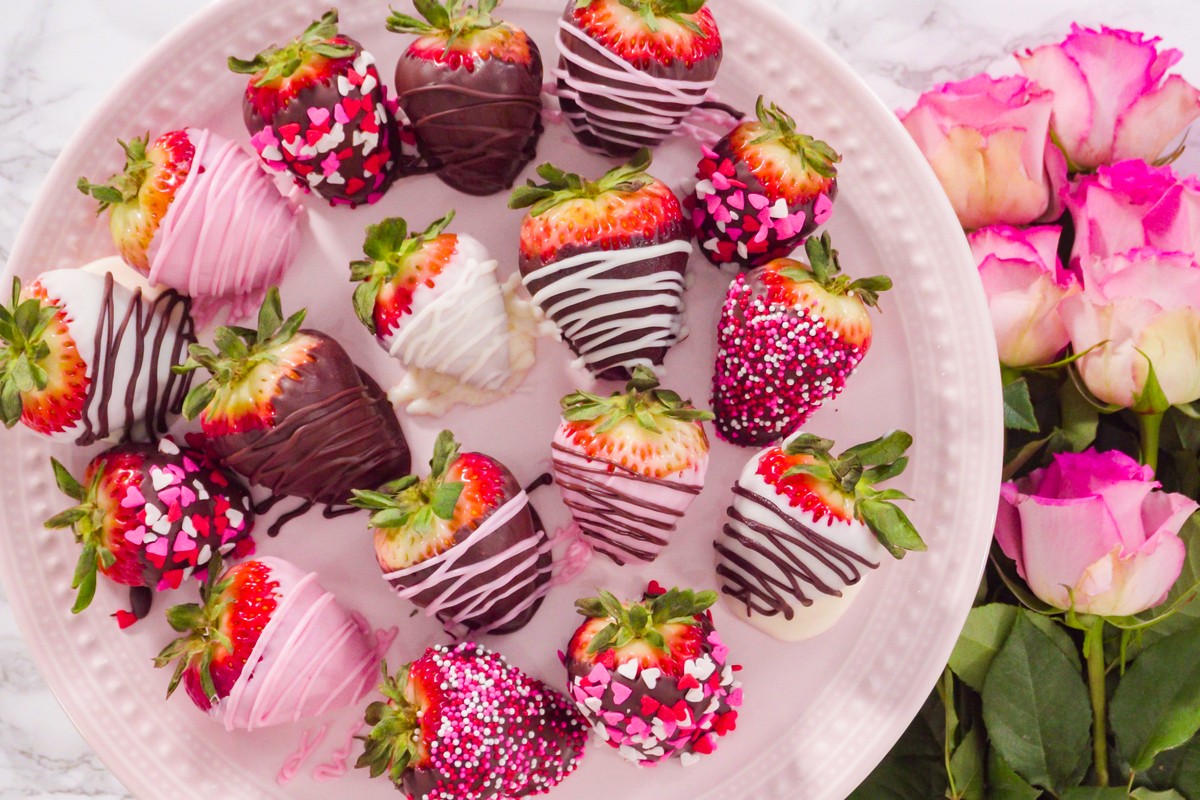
x,y
316,107
150,516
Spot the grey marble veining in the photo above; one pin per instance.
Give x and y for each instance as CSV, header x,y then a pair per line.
x,y
58,57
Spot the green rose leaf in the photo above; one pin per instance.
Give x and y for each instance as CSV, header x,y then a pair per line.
x,y
1096,793
1036,709
981,638
967,763
1178,769
913,770
1156,706
1005,784
1018,407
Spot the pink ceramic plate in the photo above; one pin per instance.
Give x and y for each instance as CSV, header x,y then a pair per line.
x,y
818,715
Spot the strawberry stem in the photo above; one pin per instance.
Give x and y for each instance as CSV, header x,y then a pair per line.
x,y
388,246
642,401
561,186
411,504
86,520
453,19
203,639
22,329
124,186
394,741
826,271
777,125
275,64
630,622
651,11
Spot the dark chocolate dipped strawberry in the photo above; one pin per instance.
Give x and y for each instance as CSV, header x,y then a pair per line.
x,y
316,108
605,260
151,515
84,359
630,71
762,190
289,410
461,543
471,86
653,678
789,337
805,527
461,723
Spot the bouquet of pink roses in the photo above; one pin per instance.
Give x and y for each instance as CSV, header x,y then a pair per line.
x,y
1078,672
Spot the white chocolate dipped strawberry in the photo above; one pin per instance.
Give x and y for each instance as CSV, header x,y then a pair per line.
x,y
433,301
806,527
629,465
268,645
84,359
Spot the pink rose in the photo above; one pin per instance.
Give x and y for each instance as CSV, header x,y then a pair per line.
x,y
1130,205
1090,529
987,140
1144,304
1024,282
1110,100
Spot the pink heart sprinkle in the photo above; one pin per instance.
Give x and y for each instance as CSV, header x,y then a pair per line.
x,y
136,536
318,116
822,209
735,697
737,200
621,692
158,547
183,543
133,498
340,115
186,496
636,725
599,674
759,201
613,717
169,495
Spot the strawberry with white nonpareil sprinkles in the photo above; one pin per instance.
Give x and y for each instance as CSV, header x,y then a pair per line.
x,y
653,678
268,645
762,190
85,359
433,301
461,723
789,337
461,543
471,86
316,108
194,212
629,465
605,260
150,516
630,71
806,527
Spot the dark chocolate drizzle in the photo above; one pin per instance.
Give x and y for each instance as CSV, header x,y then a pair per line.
x,y
615,520
788,552
143,328
545,479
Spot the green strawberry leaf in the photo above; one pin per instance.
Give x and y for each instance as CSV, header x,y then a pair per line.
x,y
445,498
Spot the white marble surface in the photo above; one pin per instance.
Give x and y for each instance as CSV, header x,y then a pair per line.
x,y
59,57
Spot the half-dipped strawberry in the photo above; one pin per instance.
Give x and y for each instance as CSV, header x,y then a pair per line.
x,y
789,337
83,358
316,108
192,211
630,71
433,302
805,527
629,465
461,723
471,86
461,543
762,190
267,645
652,678
151,515
605,260
288,409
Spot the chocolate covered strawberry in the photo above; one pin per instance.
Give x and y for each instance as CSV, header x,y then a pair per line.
x,y
605,260
289,410
461,723
151,515
789,337
762,190
630,71
83,358
805,527
471,86
194,213
629,465
316,108
461,543
433,301
267,645
653,678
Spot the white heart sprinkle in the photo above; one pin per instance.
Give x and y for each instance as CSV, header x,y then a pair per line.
x,y
201,490
694,695
344,85
601,731
721,225
650,676
742,250
704,188
655,752
188,527
713,706
688,759
225,548
153,515
712,244
163,526
205,555
594,704
630,754
160,479
168,447
234,517
628,670
335,178
271,153
368,85
780,209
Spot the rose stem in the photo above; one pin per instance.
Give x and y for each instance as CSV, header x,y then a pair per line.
x,y
1093,642
1150,425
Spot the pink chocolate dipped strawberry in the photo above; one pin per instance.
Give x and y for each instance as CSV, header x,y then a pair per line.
x,y
471,86
316,108
805,527
762,190
629,465
288,409
653,678
461,543
84,359
630,71
194,213
789,337
150,516
267,645
605,260
461,723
